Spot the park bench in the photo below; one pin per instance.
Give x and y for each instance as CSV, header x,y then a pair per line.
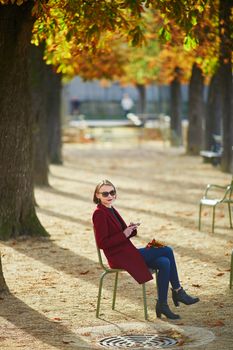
x,y
211,157
214,155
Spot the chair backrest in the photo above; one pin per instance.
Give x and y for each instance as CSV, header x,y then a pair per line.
x,y
228,197
100,256
231,189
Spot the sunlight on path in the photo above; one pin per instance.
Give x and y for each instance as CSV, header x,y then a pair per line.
x,y
54,281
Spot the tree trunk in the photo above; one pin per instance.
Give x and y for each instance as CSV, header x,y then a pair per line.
x,y
17,211
196,112
213,119
38,89
225,25
175,110
3,286
54,116
142,99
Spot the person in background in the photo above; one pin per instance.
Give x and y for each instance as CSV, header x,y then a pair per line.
x,y
74,106
126,104
113,236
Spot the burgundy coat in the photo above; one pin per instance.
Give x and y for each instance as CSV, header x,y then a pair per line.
x,y
119,250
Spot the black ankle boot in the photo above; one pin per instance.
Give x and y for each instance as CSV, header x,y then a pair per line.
x,y
183,297
163,308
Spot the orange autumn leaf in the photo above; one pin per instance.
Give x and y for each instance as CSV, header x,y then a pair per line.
x,y
181,342
155,244
217,323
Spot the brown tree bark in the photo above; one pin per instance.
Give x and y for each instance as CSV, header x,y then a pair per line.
x,y
38,89
213,118
196,112
175,109
54,116
142,98
17,211
225,59
3,286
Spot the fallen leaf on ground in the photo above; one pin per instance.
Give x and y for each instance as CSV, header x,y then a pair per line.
x,y
221,305
84,273
183,213
57,319
181,342
217,323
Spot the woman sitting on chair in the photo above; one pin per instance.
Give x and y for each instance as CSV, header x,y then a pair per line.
x,y
113,236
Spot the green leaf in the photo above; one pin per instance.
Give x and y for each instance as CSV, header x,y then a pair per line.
x,y
164,34
190,43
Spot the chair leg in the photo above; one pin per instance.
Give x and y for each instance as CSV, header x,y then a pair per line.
x,y
231,273
200,208
144,300
114,291
213,219
229,208
99,293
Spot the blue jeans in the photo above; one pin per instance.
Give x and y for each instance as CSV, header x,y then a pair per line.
x,y
163,260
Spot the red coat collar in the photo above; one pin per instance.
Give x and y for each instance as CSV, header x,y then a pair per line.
x,y
111,216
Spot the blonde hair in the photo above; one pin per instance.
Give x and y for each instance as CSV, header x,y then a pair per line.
x,y
98,187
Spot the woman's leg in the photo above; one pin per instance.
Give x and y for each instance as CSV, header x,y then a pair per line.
x,y
174,279
163,260
163,265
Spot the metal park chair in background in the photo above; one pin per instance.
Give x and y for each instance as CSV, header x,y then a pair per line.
x,y
225,196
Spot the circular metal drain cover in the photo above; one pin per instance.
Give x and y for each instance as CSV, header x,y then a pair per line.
x,y
142,341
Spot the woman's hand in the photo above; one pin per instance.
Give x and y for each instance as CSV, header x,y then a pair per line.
x,y
135,224
128,231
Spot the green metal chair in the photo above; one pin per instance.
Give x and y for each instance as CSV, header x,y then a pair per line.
x,y
231,273
108,270
226,197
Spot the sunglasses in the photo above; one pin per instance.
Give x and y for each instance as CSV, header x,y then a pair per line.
x,y
106,194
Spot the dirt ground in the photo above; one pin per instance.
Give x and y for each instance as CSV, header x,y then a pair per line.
x,y
54,282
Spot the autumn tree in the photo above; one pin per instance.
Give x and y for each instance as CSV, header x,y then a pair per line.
x,y
188,14
53,108
214,117
3,285
17,204
39,91
18,216
196,111
226,85
17,212
198,21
